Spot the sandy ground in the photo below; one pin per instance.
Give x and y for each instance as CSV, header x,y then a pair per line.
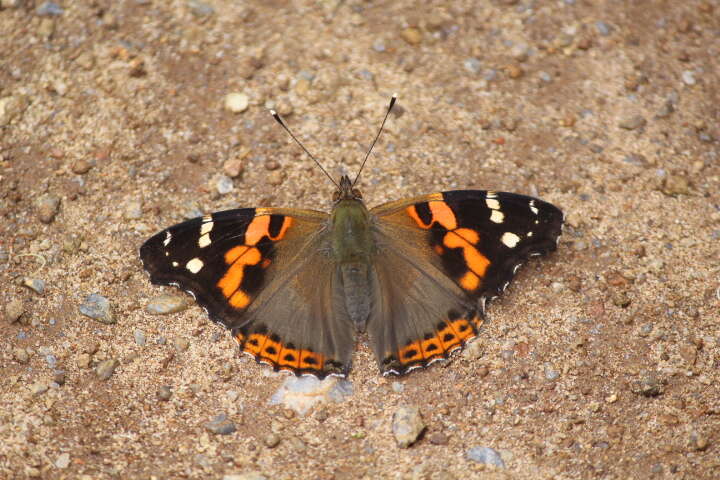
x,y
600,361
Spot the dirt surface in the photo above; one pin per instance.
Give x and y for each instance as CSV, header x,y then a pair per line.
x,y
600,361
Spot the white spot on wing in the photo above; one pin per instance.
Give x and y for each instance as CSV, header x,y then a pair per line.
x,y
206,227
533,208
175,264
204,241
492,203
529,234
510,239
168,237
491,194
194,265
497,216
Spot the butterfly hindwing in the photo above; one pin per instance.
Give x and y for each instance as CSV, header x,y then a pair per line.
x,y
261,273
441,256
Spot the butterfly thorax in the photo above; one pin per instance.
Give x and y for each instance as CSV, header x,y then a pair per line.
x,y
353,247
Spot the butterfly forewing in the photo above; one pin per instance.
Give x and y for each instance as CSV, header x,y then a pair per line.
x,y
440,257
259,272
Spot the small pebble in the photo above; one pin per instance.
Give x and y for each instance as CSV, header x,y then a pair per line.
x,y
275,178
14,310
181,344
411,35
165,304
676,185
245,476
200,9
485,455
379,46
11,108
221,425
397,387
106,368
21,355
633,122
59,377
38,388
97,307
233,167
550,373
236,102
603,28
272,440
649,385
272,165
620,299
438,438
49,9
164,393
34,284
407,425
139,337
63,461
688,77
133,210
81,166
545,77
83,360
47,207
472,65
224,185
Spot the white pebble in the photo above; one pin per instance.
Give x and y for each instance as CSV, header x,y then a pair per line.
x,y
236,102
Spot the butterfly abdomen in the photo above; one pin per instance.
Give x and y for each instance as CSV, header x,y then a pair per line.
x,y
353,250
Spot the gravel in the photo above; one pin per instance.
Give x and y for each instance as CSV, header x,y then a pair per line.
x,y
98,308
486,456
165,304
407,425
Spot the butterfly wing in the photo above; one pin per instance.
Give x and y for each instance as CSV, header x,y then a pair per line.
x,y
267,275
440,257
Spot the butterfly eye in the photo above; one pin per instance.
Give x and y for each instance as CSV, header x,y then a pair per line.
x,y
336,196
356,193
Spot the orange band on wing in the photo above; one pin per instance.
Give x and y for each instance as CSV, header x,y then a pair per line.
x,y
259,227
443,214
232,279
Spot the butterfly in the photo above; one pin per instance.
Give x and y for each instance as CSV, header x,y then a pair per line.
x,y
296,287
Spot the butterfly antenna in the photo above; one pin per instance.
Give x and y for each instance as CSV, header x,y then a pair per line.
x,y
392,103
282,124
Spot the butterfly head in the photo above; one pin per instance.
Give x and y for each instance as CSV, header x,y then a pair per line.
x,y
346,191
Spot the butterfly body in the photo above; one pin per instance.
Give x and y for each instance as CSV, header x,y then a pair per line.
x,y
296,286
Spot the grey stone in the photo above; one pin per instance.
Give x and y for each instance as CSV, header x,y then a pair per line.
x,y
200,9
472,65
302,393
407,425
49,9
633,122
35,284
63,460
221,425
139,337
485,455
224,185
165,304
98,308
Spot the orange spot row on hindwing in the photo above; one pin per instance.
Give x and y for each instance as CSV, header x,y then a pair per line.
x,y
453,334
270,349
